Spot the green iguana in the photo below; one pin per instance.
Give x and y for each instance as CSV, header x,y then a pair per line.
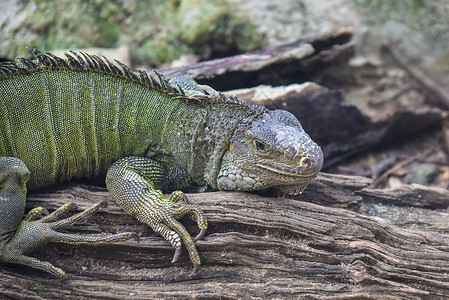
x,y
85,117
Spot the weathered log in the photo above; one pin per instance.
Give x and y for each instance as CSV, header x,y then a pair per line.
x,y
295,62
257,247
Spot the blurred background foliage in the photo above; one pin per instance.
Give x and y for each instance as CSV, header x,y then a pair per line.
x,y
156,31
161,31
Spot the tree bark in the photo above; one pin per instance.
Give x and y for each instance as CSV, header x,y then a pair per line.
x,y
299,61
257,247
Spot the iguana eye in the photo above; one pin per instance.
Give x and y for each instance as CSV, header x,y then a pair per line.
x,y
261,147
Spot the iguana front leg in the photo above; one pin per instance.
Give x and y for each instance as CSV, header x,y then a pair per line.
x,y
134,183
18,238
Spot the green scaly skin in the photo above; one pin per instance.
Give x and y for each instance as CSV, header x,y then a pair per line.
x,y
84,117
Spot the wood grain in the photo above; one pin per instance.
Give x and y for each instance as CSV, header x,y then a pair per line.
x,y
256,247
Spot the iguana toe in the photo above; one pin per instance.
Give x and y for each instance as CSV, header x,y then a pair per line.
x,y
196,269
177,254
200,235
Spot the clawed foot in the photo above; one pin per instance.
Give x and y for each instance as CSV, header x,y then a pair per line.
x,y
162,214
131,180
178,251
196,269
35,231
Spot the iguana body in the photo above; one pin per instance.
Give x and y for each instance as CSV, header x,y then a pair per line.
x,y
84,117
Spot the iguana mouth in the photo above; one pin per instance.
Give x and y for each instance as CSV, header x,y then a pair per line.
x,y
301,179
286,170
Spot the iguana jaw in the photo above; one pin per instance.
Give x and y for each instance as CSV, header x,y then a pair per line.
x,y
287,179
301,180
287,170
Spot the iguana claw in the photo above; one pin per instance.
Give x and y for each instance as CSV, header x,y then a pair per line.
x,y
135,236
196,268
200,235
177,254
103,203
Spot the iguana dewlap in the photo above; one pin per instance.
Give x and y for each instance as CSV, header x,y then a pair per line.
x,y
85,117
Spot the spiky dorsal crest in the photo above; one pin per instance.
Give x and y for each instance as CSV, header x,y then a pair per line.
x,y
89,62
219,99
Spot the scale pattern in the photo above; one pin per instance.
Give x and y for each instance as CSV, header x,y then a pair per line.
x,y
86,117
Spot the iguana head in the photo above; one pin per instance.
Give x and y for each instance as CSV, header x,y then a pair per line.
x,y
270,151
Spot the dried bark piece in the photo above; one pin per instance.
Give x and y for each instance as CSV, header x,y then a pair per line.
x,y
295,62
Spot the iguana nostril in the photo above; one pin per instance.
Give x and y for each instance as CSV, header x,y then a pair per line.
x,y
305,162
